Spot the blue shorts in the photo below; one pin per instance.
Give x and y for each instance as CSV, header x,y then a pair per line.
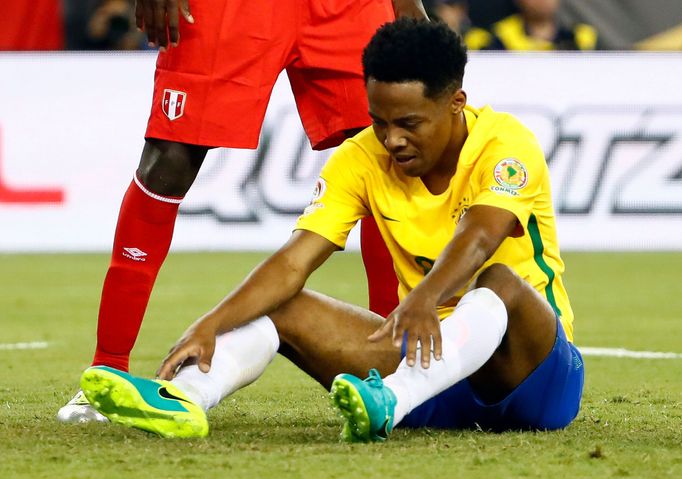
x,y
549,398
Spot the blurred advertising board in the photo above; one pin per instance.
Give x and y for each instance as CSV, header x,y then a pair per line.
x,y
72,125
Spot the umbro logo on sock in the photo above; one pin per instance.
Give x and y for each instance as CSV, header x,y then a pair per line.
x,y
136,254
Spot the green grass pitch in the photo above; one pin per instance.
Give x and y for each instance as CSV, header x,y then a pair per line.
x,y
282,426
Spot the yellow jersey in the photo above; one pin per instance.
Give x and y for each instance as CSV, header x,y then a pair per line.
x,y
501,164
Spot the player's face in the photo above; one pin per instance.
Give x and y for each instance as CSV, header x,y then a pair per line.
x,y
416,131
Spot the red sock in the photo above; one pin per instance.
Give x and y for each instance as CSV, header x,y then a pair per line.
x,y
143,236
382,282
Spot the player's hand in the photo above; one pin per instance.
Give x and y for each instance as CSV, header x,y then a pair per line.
x,y
160,20
196,345
416,318
409,8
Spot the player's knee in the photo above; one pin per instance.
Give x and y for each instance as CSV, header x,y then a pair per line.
x,y
281,318
502,280
169,168
288,331
291,322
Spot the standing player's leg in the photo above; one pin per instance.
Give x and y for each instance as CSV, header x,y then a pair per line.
x,y
143,235
141,242
194,103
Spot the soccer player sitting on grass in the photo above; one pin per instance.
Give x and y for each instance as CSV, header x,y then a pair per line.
x,y
482,335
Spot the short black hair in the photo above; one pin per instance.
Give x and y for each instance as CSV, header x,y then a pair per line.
x,y
416,50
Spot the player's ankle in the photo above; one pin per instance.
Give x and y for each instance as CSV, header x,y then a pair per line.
x,y
116,361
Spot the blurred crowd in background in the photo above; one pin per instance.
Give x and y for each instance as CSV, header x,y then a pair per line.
x,y
484,24
70,25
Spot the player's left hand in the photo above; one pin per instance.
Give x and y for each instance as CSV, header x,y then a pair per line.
x,y
417,318
409,8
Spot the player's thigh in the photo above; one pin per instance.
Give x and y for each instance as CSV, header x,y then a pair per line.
x,y
327,78
213,88
325,337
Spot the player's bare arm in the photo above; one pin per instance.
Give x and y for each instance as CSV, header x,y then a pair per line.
x,y
477,237
275,281
409,8
160,20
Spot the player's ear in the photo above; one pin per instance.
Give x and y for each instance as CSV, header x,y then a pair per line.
x,y
458,101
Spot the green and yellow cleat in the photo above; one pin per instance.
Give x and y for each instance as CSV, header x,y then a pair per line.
x,y
151,405
367,407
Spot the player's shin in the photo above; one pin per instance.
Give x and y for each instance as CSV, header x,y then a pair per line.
x,y
471,334
143,237
240,357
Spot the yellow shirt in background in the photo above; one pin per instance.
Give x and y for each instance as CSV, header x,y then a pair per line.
x,y
501,164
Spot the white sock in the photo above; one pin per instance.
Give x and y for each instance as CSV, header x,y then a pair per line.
x,y
471,334
240,357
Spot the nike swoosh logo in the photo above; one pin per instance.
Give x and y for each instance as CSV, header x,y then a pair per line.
x,y
389,219
164,393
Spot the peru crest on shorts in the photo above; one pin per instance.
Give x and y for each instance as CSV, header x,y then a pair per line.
x,y
173,103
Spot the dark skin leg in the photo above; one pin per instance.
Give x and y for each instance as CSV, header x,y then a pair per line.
x,y
325,337
168,168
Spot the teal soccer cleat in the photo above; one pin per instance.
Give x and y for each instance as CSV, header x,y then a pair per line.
x,y
151,405
367,406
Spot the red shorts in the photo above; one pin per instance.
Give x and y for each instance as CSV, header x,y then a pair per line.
x,y
213,89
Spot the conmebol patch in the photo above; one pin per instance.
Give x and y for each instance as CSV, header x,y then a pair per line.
x,y
320,188
510,173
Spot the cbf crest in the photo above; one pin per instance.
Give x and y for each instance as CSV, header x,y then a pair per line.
x,y
173,103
